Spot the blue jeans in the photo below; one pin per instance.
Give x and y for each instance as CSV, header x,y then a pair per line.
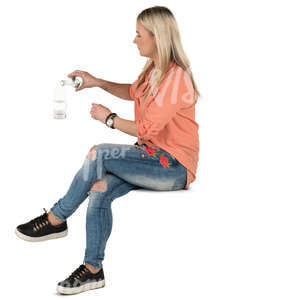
x,y
123,168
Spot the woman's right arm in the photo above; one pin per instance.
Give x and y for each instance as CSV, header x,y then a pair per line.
x,y
120,90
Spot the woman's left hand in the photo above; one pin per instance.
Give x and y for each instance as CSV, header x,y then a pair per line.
x,y
99,112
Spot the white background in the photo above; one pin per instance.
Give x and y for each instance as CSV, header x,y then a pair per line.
x,y
235,233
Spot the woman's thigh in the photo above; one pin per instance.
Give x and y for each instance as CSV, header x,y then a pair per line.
x,y
155,170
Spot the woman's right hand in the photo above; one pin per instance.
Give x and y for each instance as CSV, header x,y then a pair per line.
x,y
88,80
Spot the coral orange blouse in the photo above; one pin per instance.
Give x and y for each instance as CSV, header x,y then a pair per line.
x,y
166,119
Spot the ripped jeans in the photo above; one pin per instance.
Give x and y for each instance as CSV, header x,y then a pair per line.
x,y
123,168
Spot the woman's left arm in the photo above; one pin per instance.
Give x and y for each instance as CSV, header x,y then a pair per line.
x,y
100,112
126,126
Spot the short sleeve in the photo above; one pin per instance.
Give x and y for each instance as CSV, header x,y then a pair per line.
x,y
174,93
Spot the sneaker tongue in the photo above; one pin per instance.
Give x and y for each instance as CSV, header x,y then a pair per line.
x,y
76,272
86,268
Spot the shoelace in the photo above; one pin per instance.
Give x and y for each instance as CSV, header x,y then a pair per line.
x,y
78,273
40,221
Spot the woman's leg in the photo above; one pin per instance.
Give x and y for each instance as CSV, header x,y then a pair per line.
x,y
146,167
117,169
78,190
116,165
155,171
99,216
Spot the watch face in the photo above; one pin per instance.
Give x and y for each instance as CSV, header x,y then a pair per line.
x,y
110,122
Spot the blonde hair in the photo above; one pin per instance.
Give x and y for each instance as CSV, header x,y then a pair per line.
x,y
160,23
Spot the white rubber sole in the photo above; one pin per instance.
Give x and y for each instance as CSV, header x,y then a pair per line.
x,y
42,238
83,288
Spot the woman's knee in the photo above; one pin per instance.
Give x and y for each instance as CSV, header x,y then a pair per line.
x,y
97,196
102,148
93,153
99,186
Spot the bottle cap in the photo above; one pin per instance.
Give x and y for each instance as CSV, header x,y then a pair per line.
x,y
77,81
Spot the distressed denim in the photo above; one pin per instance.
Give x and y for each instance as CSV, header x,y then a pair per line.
x,y
124,168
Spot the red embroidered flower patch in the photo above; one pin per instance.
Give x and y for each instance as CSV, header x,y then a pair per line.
x,y
162,158
150,151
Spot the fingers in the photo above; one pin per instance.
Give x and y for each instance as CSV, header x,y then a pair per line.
x,y
79,89
95,107
76,73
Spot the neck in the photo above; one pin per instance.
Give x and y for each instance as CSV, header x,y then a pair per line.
x,y
155,60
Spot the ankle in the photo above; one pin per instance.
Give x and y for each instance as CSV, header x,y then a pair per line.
x,y
53,220
92,269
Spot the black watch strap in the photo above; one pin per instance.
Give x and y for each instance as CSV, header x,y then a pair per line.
x,y
111,116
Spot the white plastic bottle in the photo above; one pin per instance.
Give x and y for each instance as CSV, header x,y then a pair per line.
x,y
74,81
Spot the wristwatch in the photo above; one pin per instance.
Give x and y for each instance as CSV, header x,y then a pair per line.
x,y
109,122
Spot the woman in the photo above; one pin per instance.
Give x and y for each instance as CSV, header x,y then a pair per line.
x,y
164,158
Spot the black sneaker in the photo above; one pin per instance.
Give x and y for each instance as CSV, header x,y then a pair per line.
x,y
81,280
40,229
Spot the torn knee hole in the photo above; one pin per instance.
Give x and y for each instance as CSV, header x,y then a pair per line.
x,y
99,186
92,153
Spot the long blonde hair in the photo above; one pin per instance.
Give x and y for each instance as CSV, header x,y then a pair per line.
x,y
160,23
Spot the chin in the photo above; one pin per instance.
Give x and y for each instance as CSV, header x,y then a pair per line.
x,y
143,54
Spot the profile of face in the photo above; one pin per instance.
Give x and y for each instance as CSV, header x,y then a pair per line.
x,y
145,41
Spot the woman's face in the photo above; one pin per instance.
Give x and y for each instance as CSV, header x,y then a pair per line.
x,y
145,41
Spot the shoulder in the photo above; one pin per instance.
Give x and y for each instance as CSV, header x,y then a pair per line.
x,y
179,78
178,84
176,74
